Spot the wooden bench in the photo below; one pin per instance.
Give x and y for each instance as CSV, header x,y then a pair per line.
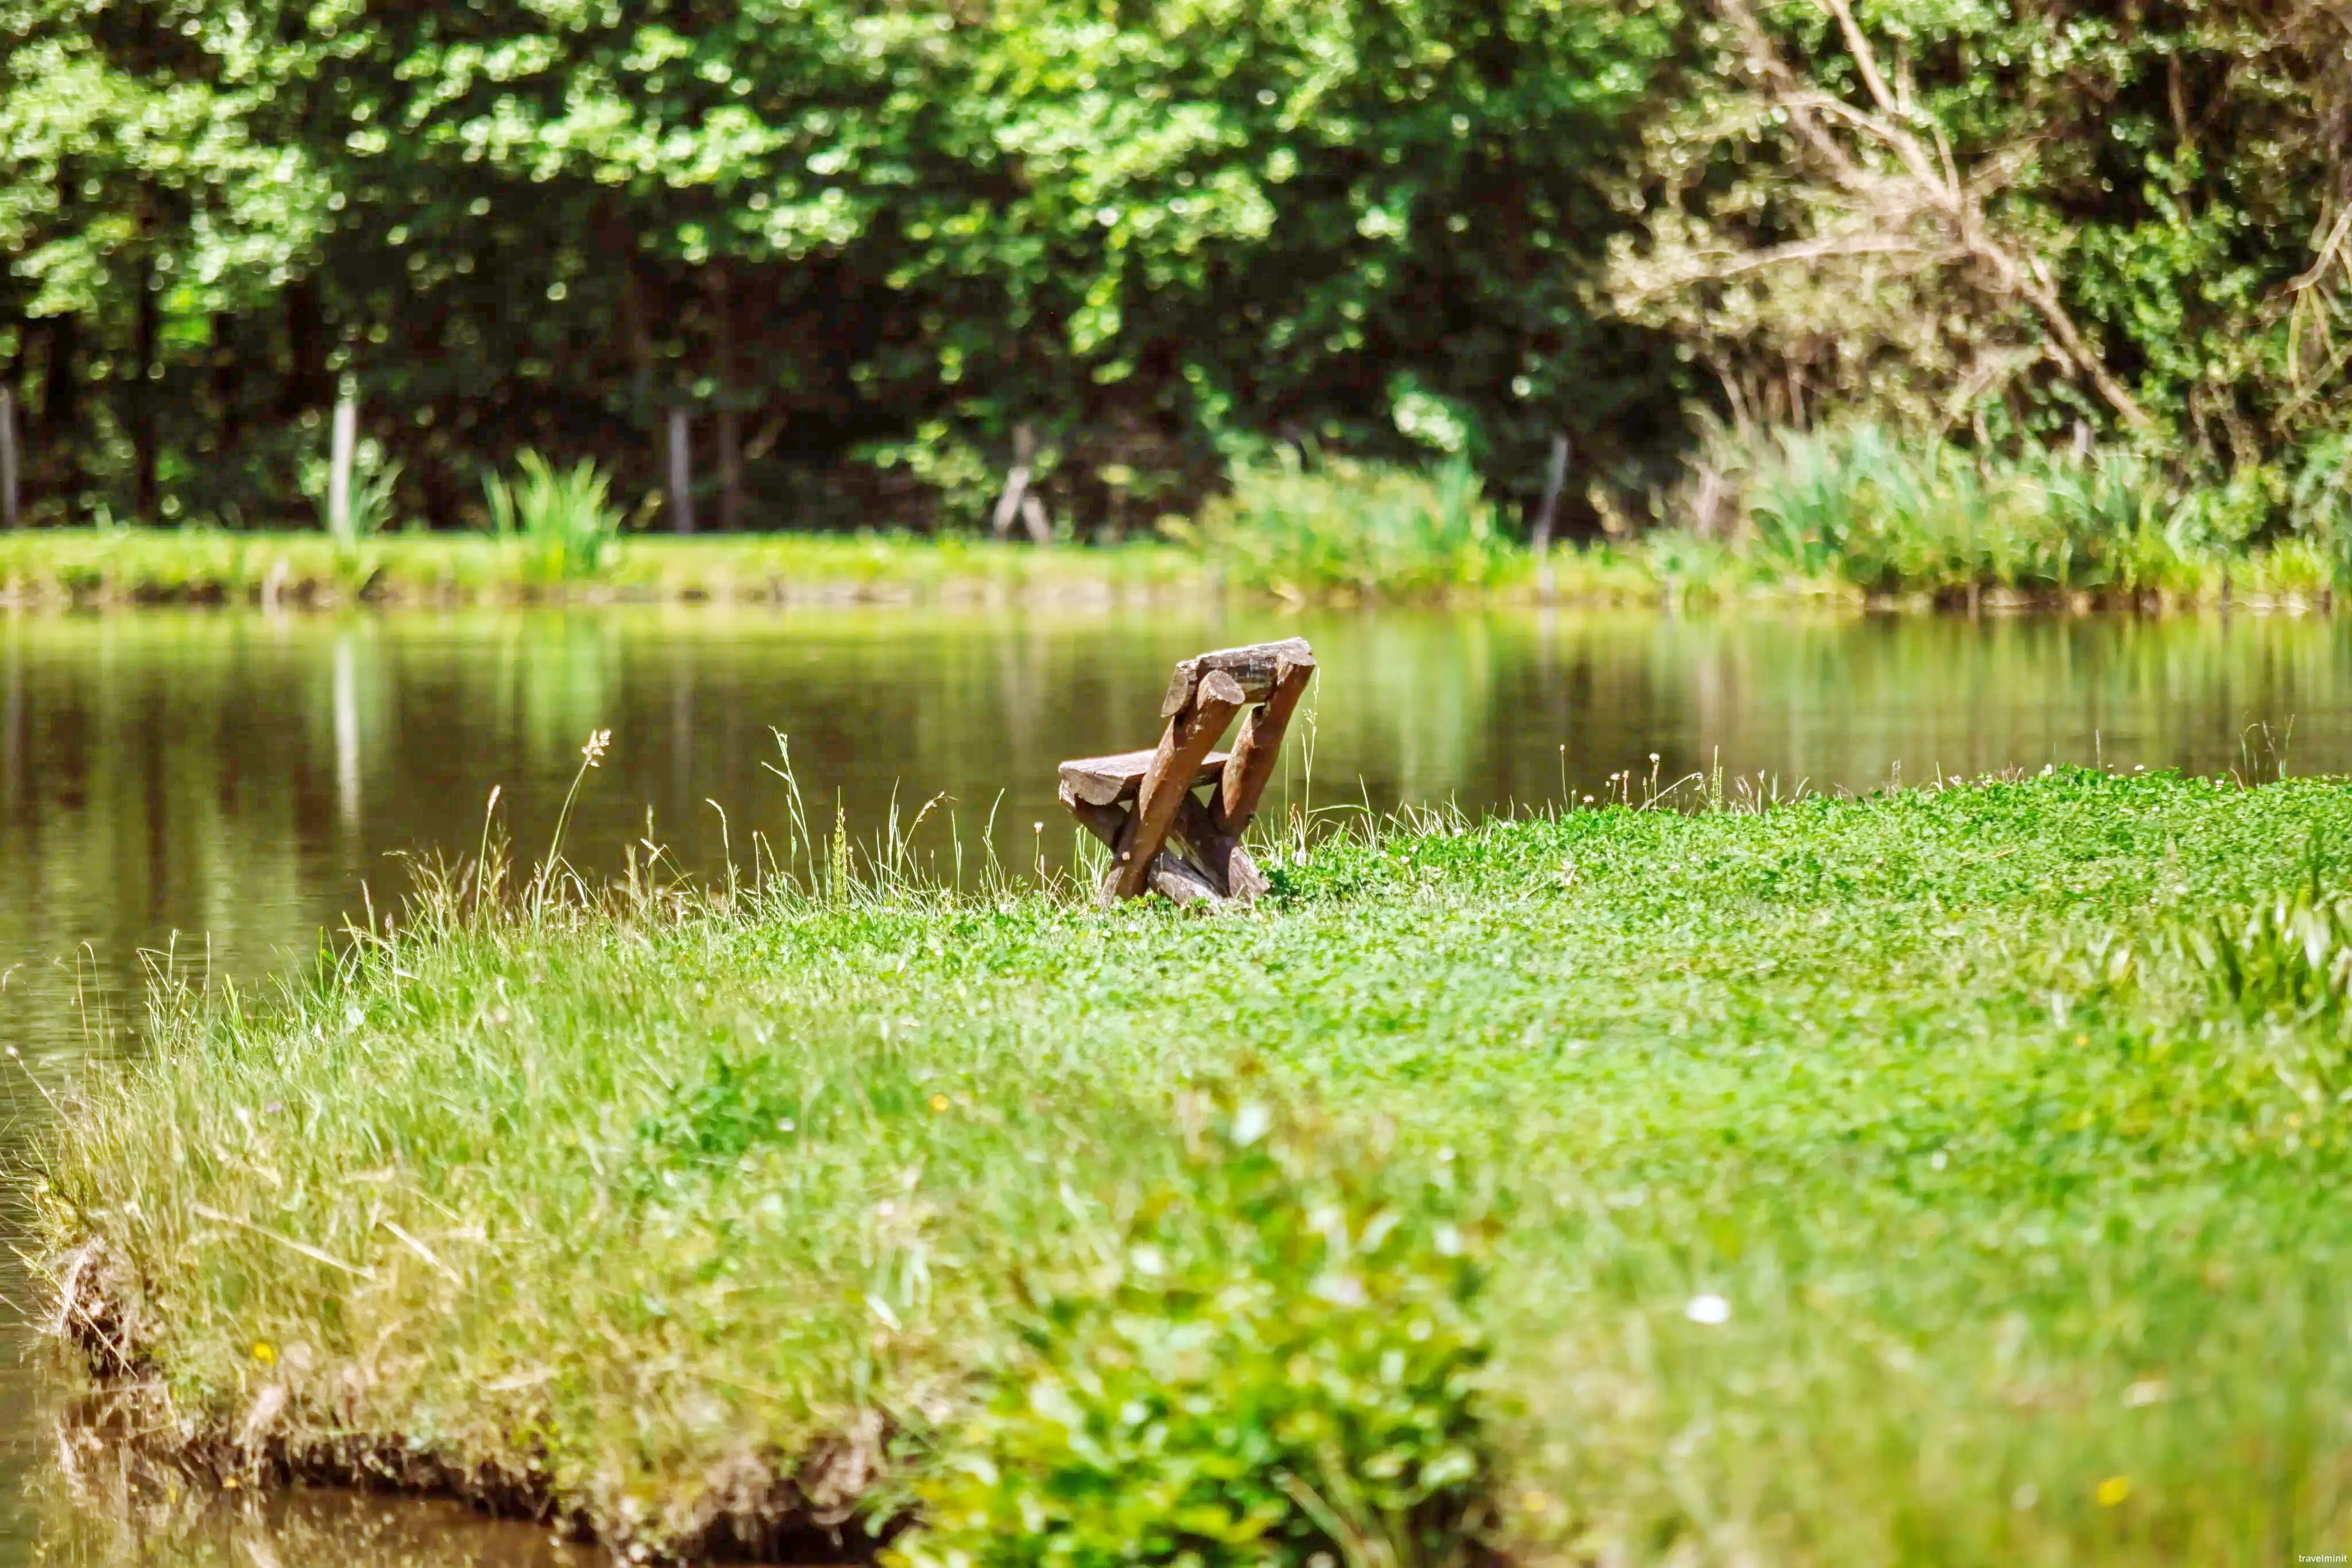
x,y
1162,837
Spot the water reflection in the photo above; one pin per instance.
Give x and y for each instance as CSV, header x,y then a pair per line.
x,y
219,787
97,1509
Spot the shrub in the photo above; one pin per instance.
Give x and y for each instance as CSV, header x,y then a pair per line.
x,y
565,512
1355,528
1282,1371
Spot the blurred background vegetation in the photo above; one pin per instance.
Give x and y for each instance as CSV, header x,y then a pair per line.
x,y
870,259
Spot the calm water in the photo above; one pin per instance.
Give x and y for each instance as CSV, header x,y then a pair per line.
x,y
223,786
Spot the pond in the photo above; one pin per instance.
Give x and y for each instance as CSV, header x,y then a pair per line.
x,y
217,790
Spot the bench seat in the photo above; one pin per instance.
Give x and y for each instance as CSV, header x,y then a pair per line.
x,y
1106,780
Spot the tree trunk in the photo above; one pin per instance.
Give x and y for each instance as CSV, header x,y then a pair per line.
x,y
731,441
59,445
229,384
306,385
144,436
61,388
644,410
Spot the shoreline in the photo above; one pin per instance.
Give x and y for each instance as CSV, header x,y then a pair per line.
x,y
66,569
680,1218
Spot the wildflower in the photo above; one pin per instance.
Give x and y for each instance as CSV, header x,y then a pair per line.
x,y
2112,1490
265,1352
1709,1309
599,741
939,1101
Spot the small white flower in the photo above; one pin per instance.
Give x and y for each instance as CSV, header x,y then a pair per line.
x,y
1709,1309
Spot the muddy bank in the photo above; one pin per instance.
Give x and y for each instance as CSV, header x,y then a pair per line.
x,y
127,1448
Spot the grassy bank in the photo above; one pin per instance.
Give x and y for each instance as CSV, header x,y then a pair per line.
x,y
1851,516
130,566
1948,1177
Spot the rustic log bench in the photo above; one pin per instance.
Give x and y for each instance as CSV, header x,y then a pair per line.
x,y
1169,841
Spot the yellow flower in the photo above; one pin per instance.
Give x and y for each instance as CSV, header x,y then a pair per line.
x,y
2114,1489
264,1353
939,1101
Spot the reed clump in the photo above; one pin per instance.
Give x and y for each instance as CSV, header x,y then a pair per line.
x,y
564,515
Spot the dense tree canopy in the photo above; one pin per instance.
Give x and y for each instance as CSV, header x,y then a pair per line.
x,y
863,241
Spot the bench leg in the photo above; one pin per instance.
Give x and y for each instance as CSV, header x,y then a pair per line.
x,y
1173,876
1218,853
1251,767
1167,786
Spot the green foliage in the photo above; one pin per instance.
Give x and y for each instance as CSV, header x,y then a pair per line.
x,y
564,513
1280,1367
523,224
1352,528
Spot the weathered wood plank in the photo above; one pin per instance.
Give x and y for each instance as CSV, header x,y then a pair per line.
x,y
1106,780
1168,783
1255,669
1255,755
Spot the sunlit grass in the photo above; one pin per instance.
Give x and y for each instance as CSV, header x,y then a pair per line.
x,y
59,566
1870,1180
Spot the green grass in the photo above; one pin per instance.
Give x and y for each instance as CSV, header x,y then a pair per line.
x,y
1903,1179
58,566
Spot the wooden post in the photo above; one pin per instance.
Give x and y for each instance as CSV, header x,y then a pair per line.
x,y
1554,480
1018,500
1186,741
7,458
681,472
340,453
